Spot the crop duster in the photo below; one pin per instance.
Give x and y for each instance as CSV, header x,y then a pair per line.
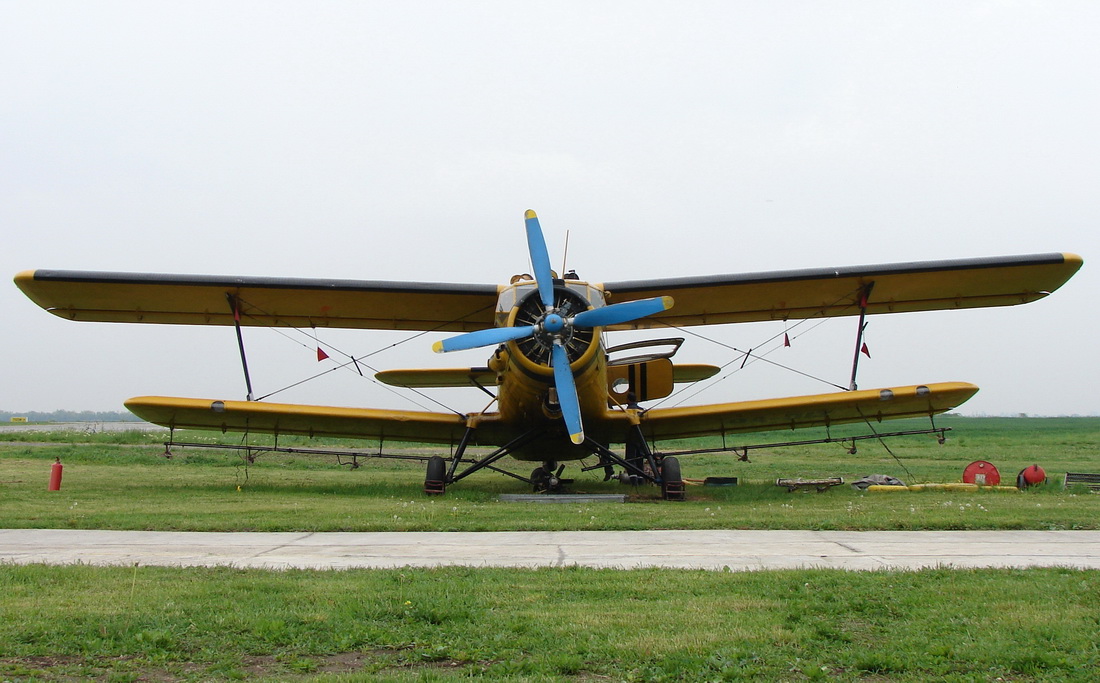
x,y
560,394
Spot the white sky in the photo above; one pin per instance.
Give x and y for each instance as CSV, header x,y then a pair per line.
x,y
403,141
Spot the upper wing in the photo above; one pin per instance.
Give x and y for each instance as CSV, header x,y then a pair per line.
x,y
294,302
826,292
281,418
778,295
805,411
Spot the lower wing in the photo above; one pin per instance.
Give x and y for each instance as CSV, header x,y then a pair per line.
x,y
281,418
805,411
657,424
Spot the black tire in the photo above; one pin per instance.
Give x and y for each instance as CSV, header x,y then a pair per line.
x,y
672,484
540,479
435,480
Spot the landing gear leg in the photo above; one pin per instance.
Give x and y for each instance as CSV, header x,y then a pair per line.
x,y
636,451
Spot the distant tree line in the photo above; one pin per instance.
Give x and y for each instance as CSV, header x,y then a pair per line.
x,y
70,416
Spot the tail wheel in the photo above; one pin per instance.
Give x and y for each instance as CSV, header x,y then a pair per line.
x,y
540,479
435,480
672,484
546,480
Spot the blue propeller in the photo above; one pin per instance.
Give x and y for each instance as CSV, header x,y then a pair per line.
x,y
540,258
625,312
487,337
567,393
553,329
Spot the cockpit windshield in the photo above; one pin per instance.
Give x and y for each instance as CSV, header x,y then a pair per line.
x,y
521,288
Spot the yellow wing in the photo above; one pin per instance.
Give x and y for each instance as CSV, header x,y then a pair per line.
x,y
281,418
827,292
438,377
805,411
471,377
262,301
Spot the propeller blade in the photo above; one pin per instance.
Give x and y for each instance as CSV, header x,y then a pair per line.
x,y
488,337
622,313
567,394
540,258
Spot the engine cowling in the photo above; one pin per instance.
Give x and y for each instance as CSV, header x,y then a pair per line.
x,y
537,347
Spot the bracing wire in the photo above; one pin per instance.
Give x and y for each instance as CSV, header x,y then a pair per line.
x,y
908,474
749,357
356,361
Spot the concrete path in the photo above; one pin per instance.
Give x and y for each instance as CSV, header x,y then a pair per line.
x,y
736,550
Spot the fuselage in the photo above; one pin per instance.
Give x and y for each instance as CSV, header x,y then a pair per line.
x,y
525,378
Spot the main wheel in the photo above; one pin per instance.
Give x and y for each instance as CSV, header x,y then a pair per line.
x,y
672,484
435,480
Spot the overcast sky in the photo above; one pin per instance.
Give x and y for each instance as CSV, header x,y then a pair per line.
x,y
403,141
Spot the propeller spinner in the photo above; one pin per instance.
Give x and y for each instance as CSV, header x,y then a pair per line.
x,y
552,329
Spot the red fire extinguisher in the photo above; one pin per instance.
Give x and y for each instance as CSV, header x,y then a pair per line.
x,y
55,476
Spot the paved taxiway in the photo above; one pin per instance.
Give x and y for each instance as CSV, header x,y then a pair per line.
x,y
734,550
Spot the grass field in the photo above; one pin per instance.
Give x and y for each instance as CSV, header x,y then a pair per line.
x,y
162,624
148,623
120,482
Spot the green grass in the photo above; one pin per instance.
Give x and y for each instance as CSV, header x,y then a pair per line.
x,y
165,624
130,486
69,623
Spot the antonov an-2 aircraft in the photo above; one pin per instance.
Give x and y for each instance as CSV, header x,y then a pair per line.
x,y
560,395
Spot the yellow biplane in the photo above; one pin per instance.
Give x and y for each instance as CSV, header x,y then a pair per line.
x,y
560,393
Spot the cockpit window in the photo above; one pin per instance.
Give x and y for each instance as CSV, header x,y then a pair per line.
x,y
515,293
